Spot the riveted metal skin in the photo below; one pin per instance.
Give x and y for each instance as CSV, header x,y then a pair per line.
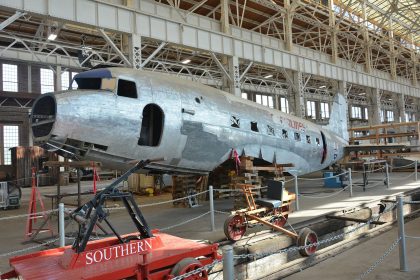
x,y
197,134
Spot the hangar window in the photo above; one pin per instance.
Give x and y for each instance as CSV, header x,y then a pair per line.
x,y
284,134
10,77
127,89
235,122
308,139
254,126
297,136
317,141
270,130
151,126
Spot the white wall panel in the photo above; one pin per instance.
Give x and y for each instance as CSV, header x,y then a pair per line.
x,y
125,21
107,16
216,43
37,6
158,28
248,51
86,12
203,39
227,45
189,36
173,32
143,25
62,9
237,48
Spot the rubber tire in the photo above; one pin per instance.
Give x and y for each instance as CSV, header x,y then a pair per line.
x,y
227,225
304,235
183,267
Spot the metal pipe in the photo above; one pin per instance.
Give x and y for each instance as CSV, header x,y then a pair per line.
x,y
350,182
297,192
211,200
401,233
228,268
415,170
61,225
387,175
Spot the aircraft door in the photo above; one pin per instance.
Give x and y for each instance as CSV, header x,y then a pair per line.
x,y
324,148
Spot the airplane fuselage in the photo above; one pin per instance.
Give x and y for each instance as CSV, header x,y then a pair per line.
x,y
194,127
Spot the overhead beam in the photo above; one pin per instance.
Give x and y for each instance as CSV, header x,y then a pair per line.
x,y
153,54
11,19
220,65
114,47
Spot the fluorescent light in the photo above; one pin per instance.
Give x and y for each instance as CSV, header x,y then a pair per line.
x,y
52,36
362,93
322,86
268,76
186,61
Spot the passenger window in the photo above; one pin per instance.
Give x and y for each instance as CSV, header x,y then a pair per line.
x,y
254,126
127,89
270,130
151,126
308,139
284,134
297,136
317,141
234,122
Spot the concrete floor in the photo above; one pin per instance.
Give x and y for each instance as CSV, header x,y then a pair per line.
x,y
167,215
352,263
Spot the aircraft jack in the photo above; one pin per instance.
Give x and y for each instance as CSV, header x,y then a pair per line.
x,y
145,254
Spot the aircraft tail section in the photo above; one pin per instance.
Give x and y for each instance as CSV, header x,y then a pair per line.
x,y
338,117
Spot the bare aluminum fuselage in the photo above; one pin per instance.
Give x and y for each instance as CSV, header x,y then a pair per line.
x,y
197,134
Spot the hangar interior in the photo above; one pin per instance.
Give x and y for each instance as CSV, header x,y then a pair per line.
x,y
294,56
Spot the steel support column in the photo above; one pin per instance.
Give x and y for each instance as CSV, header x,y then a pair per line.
x,y
367,43
375,106
58,72
392,57
399,107
333,32
299,94
287,29
134,51
234,82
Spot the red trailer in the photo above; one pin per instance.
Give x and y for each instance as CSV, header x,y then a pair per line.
x,y
145,254
162,257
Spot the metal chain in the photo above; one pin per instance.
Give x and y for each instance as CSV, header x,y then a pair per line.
x,y
314,179
186,221
412,202
159,203
331,195
381,259
198,270
27,215
221,212
369,171
413,237
29,248
397,167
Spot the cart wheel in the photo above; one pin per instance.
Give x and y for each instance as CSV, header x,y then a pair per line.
x,y
307,237
187,265
235,227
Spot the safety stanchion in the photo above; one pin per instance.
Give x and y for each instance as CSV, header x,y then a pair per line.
x,y
61,230
211,201
350,183
401,233
415,170
297,192
228,267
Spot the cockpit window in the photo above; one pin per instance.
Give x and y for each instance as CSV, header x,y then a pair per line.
x,y
127,88
96,83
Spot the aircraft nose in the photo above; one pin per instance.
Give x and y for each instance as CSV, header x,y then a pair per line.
x,y
43,117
